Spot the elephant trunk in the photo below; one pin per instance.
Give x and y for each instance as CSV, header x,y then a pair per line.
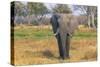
x,y
65,40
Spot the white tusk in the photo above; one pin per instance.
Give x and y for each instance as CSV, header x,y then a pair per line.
x,y
56,32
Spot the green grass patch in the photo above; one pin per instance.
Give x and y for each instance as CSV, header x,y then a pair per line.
x,y
87,35
33,33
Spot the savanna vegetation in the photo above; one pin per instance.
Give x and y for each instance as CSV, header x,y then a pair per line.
x,y
36,45
34,40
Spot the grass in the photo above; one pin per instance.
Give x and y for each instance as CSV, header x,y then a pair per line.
x,y
32,33
34,45
45,33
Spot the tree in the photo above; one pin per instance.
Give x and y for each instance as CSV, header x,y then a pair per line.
x,y
36,9
90,11
81,8
61,8
92,15
19,8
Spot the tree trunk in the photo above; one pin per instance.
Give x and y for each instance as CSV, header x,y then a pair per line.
x,y
89,22
29,22
92,20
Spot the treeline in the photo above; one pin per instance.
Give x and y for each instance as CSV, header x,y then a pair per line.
x,y
32,20
38,13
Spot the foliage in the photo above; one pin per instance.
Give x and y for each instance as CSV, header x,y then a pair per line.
x,y
19,8
60,8
36,8
90,11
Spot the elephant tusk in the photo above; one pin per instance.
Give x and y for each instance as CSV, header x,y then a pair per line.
x,y
70,34
56,32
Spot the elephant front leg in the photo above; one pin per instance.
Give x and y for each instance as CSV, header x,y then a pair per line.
x,y
60,46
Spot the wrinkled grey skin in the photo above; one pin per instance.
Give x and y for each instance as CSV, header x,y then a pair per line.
x,y
63,27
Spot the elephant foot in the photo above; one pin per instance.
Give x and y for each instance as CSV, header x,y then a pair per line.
x,y
67,57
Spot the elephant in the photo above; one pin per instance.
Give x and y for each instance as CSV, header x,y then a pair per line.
x,y
63,26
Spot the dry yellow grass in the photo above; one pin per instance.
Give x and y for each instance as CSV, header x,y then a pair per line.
x,y
45,51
